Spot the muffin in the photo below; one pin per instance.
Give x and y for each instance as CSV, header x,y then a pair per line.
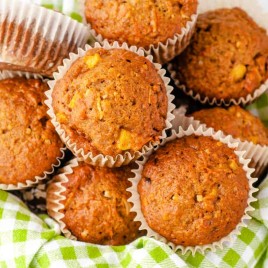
x,y
36,39
111,101
139,23
227,57
234,121
206,191
29,144
163,28
95,207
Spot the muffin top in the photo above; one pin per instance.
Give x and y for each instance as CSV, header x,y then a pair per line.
x,y
206,191
234,121
227,58
111,101
140,23
96,209
29,144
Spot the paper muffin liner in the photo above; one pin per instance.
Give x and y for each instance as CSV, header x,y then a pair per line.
x,y
219,102
54,196
36,39
178,112
5,74
35,197
225,241
162,52
45,175
256,152
259,15
100,159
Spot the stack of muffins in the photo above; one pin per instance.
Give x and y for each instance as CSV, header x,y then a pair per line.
x,y
111,106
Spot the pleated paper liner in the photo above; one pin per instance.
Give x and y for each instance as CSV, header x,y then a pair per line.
x,y
46,173
161,52
54,196
100,159
35,39
178,112
225,241
256,152
219,102
260,17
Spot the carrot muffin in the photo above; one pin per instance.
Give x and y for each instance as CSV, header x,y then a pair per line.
x,y
110,102
234,121
29,144
140,23
96,209
206,191
227,58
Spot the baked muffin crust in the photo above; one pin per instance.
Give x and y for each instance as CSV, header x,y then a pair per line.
x,y
111,101
227,58
29,144
139,23
193,191
96,209
234,121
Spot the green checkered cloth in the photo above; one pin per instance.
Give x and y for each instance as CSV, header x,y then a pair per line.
x,y
28,240
67,7
260,108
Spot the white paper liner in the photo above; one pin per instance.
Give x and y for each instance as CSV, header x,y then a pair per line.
x,y
29,183
35,197
219,102
100,159
260,17
11,74
165,52
225,241
256,152
181,111
40,38
54,196
161,52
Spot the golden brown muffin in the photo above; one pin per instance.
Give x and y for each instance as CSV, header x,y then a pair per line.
x,y
29,144
140,23
227,58
111,101
206,191
96,209
234,121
